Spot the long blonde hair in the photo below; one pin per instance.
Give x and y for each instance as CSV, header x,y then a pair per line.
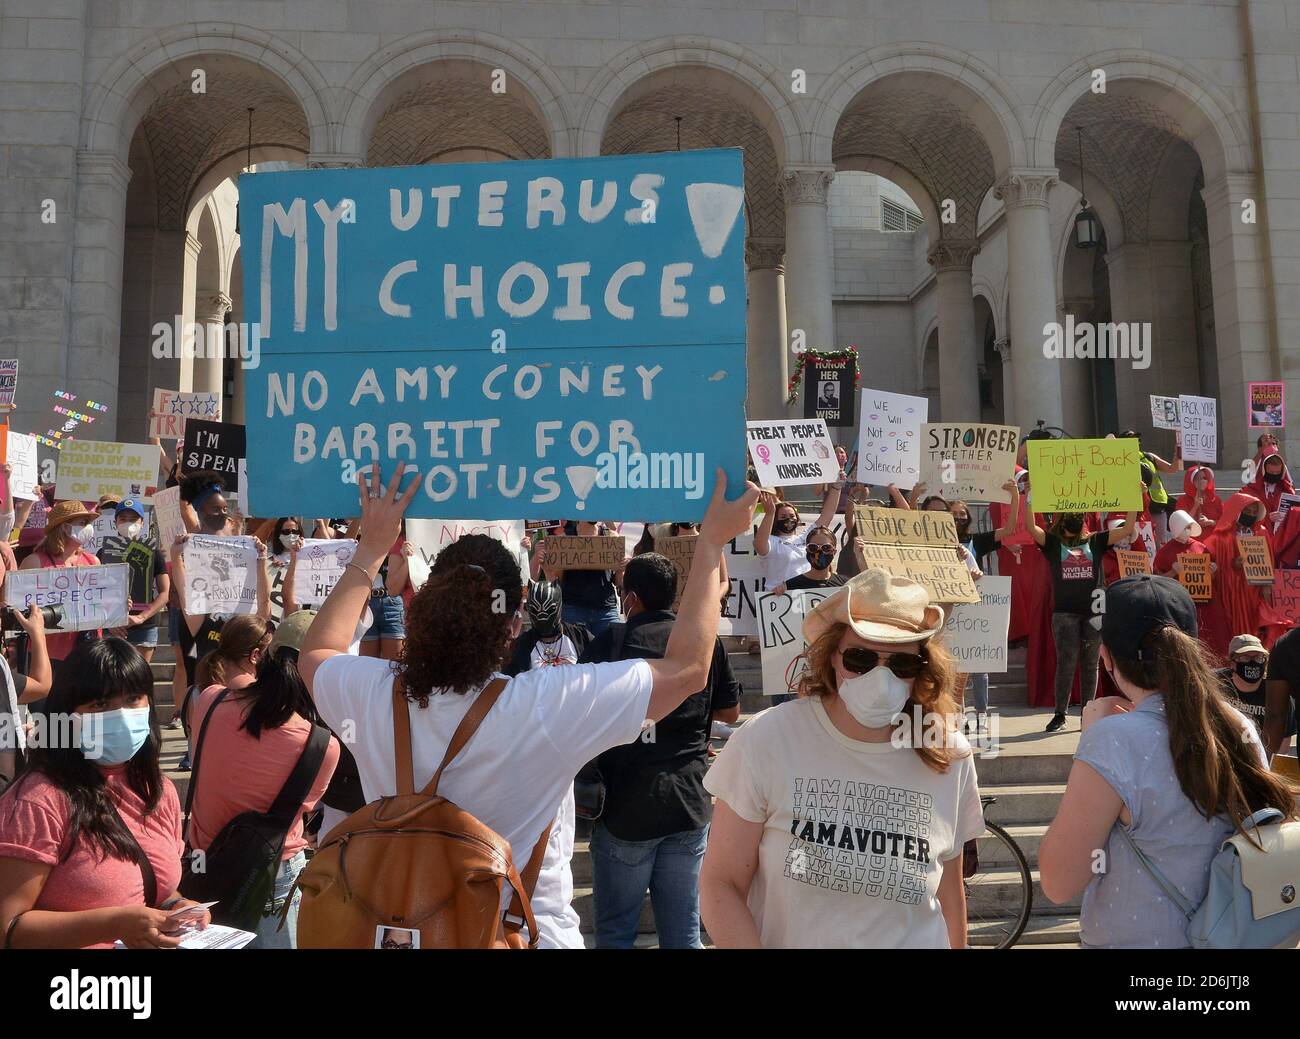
x,y
932,691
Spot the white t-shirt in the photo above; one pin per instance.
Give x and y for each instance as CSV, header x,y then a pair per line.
x,y
855,834
516,774
553,654
787,557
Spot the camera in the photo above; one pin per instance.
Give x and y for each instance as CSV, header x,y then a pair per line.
x,y
53,617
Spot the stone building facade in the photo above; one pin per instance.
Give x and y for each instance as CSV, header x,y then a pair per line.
x,y
1180,118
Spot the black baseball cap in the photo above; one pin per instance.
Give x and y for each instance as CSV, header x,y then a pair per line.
x,y
1137,606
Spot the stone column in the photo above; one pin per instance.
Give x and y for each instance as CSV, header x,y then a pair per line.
x,y
1033,293
96,299
1241,322
768,351
1128,269
809,278
191,335
959,391
210,347
1003,347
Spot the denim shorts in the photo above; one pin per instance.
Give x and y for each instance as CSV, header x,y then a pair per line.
x,y
390,619
145,635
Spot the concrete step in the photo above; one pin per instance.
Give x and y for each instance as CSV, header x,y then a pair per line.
x,y
1023,802
1053,931
1007,769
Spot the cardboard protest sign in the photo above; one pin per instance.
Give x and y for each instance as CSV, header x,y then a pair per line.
x,y
1266,405
681,551
747,575
91,596
1286,595
829,388
790,453
921,546
219,447
23,471
171,408
567,332
1199,417
1164,412
220,575
780,637
578,553
905,526
1195,575
8,382
167,517
976,633
1085,475
1132,563
1256,558
889,443
89,469
430,536
968,461
321,562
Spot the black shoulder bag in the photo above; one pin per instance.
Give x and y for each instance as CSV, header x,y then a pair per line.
x,y
238,869
589,784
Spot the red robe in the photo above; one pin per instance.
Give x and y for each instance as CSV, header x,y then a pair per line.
x,y
1237,607
1270,493
1211,507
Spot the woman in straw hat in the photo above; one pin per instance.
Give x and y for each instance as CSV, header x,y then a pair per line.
x,y
839,823
65,526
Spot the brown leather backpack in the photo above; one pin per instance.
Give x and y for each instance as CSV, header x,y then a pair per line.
x,y
417,862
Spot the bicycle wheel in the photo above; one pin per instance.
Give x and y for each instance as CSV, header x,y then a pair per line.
x,y
1000,893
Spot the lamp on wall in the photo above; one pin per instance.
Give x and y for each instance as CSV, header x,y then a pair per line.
x,y
248,163
679,132
1087,228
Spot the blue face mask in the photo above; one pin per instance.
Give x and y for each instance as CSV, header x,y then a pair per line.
x,y
114,737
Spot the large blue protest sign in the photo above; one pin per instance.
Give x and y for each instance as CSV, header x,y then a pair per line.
x,y
561,337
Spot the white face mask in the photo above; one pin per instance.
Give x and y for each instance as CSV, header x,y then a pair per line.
x,y
129,530
874,698
1184,535
84,532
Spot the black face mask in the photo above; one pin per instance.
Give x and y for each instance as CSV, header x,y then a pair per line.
x,y
785,526
1250,671
963,524
1272,477
820,556
1246,521
1072,525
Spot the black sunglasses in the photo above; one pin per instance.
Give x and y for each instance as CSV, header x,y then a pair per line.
x,y
859,661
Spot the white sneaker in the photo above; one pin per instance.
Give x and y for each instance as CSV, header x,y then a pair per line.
x,y
721,731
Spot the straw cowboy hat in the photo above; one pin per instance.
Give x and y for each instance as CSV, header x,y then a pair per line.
x,y
65,512
880,607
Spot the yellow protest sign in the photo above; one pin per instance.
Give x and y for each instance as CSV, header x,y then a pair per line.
x,y
89,469
1085,475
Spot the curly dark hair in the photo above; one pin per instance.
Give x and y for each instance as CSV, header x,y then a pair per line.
x,y
458,626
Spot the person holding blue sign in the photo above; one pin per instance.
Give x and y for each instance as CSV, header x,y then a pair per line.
x,y
543,726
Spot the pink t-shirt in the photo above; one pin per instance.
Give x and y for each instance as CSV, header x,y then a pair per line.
x,y
33,828
239,773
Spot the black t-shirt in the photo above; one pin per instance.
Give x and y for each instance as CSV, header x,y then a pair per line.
x,y
1075,576
981,544
589,588
205,640
146,561
804,581
654,786
1252,704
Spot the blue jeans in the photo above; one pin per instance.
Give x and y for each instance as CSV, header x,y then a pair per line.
x,y
668,866
268,937
594,618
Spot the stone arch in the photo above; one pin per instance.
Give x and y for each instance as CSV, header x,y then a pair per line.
x,y
1207,119
925,110
904,178
974,88
982,289
929,337
383,77
1103,204
735,70
122,96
